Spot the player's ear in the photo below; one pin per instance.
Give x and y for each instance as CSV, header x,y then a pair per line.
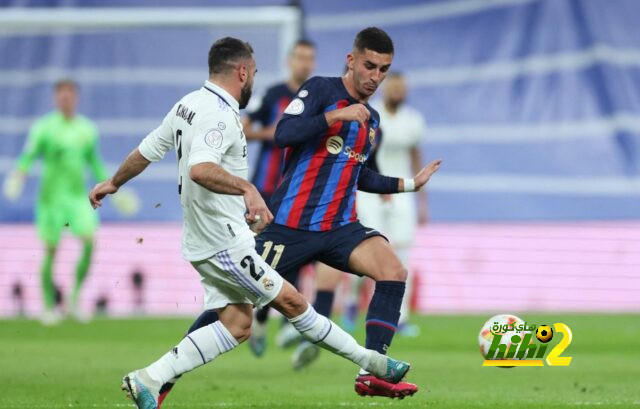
x,y
350,61
243,73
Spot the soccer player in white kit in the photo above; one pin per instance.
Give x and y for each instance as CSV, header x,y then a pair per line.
x,y
396,216
217,202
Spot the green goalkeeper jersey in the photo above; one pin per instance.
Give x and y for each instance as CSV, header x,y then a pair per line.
x,y
67,147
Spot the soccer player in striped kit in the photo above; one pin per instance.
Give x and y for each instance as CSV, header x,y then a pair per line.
x,y
328,131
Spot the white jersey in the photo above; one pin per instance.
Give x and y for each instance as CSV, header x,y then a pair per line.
x,y
204,126
396,218
400,132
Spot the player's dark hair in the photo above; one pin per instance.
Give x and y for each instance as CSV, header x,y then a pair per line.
x,y
374,39
225,52
303,42
65,82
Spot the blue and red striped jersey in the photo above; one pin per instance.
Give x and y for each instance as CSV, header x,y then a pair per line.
x,y
268,169
322,163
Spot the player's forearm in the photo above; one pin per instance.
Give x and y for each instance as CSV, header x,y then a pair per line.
x,y
25,161
373,182
262,134
332,116
214,178
293,131
130,168
97,167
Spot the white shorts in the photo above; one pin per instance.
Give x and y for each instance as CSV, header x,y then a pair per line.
x,y
396,219
237,276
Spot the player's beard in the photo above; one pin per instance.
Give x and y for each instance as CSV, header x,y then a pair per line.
x,y
394,104
245,95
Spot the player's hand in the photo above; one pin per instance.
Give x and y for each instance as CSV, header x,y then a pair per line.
x,y
99,192
425,173
257,210
355,112
13,185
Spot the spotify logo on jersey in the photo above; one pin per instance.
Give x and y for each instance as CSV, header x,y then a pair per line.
x,y
334,144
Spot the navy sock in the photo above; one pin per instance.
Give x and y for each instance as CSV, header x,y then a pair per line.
x,y
263,314
383,314
324,303
206,318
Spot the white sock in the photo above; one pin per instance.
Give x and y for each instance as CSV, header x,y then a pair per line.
x,y
196,349
326,334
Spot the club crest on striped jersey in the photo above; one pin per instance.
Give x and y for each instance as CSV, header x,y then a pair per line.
x,y
295,107
372,135
334,144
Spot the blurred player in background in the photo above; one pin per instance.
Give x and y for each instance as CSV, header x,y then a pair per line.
x,y
268,171
267,174
68,144
217,201
396,216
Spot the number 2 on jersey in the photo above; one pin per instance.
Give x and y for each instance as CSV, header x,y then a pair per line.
x,y
178,145
247,261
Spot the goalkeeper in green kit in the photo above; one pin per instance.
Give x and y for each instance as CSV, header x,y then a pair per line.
x,y
67,144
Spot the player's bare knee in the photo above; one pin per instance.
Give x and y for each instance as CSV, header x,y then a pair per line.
x,y
240,331
394,273
242,334
237,319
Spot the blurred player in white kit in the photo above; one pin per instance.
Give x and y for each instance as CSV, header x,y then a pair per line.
x,y
397,216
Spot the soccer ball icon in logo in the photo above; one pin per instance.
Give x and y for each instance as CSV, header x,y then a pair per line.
x,y
485,337
544,333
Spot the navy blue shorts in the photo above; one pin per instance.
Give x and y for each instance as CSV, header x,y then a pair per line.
x,y
287,249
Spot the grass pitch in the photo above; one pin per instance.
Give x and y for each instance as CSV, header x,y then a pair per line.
x,y
80,366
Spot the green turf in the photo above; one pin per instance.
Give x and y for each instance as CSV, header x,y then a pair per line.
x,y
80,366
